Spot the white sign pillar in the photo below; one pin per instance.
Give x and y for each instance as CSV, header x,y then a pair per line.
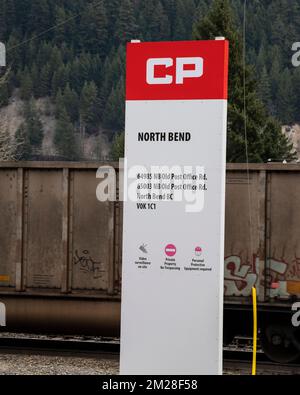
x,y
173,247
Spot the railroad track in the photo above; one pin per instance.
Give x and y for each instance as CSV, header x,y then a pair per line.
x,y
58,345
241,363
237,357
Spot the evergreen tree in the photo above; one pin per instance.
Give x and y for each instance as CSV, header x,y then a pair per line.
x,y
34,125
296,88
45,81
2,21
59,79
286,98
112,11
39,15
71,103
26,90
274,143
55,60
9,15
95,71
220,22
153,22
65,139
170,9
101,23
4,93
113,116
261,59
89,106
161,25
60,31
94,27
117,150
14,54
265,89
35,81
126,27
59,103
64,32
85,64
43,55
29,136
113,70
179,31
189,16
274,77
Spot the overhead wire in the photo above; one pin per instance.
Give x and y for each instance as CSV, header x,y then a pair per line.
x,y
96,4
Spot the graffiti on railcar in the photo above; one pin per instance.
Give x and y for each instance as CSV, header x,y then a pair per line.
x,y
87,264
294,269
280,278
275,271
240,277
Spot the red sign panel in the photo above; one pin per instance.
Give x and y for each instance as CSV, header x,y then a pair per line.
x,y
184,70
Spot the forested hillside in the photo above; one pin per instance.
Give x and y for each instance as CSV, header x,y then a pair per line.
x,y
272,27
72,52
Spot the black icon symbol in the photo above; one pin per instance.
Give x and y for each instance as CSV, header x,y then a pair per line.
x,y
143,248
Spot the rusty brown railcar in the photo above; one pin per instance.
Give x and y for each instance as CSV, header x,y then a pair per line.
x,y
60,251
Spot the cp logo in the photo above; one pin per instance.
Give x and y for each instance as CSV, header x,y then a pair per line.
x,y
182,72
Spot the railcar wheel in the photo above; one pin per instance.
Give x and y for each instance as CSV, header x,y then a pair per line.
x,y
277,343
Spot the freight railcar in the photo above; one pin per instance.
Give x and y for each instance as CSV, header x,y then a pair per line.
x,y
60,252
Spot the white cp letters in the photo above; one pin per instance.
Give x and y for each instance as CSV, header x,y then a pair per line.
x,y
181,72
